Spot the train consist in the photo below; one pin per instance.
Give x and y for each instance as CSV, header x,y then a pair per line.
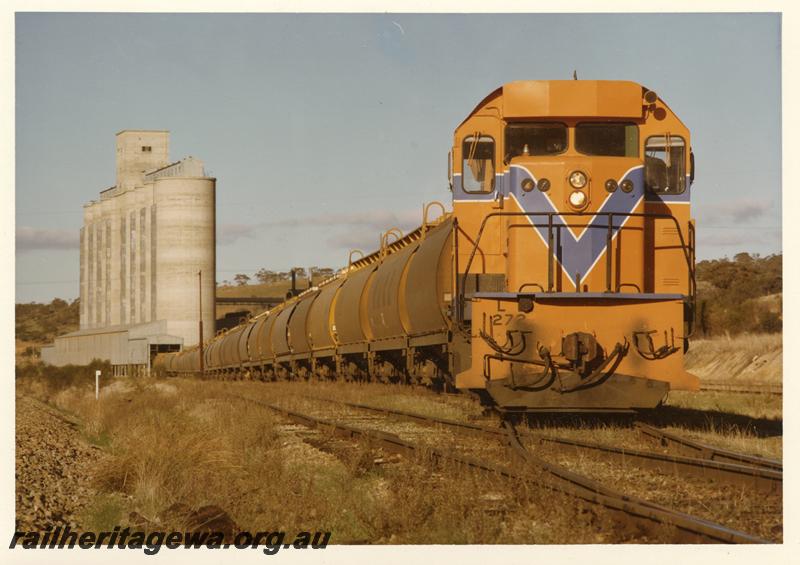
x,y
562,279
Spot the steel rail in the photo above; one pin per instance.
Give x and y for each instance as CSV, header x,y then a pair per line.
x,y
742,388
706,451
626,509
690,528
758,477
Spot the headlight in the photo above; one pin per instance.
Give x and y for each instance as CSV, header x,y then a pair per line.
x,y
577,199
527,185
611,185
577,179
626,185
544,185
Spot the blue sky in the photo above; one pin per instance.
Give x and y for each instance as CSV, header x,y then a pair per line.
x,y
324,129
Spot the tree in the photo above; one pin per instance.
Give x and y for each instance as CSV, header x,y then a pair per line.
x,y
321,272
241,279
264,276
740,295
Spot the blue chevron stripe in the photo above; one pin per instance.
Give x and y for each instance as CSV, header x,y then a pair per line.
x,y
577,254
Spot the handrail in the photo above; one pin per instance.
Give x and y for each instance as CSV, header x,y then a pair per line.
x,y
425,209
350,259
688,251
398,235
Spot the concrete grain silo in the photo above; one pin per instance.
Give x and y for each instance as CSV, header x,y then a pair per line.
x,y
142,245
185,228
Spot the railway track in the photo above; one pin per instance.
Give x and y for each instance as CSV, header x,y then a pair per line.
x,y
706,451
742,388
627,510
690,529
714,463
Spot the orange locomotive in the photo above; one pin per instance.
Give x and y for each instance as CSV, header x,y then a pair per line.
x,y
562,280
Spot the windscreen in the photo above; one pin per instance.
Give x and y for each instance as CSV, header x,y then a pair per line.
x,y
478,164
607,139
535,139
665,164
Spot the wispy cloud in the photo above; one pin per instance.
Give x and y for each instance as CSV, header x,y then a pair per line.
x,y
728,239
34,239
742,238
230,233
356,230
738,210
349,230
374,219
354,239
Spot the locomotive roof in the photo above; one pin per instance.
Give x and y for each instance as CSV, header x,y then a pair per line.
x,y
562,98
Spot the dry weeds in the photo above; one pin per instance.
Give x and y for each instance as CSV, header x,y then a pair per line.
x,y
742,358
757,406
176,444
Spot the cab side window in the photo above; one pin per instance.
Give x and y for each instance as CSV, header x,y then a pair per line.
x,y
477,170
665,164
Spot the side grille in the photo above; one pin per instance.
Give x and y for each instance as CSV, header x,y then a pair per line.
x,y
489,282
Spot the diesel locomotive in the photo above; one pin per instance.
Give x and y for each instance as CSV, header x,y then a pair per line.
x,y
562,278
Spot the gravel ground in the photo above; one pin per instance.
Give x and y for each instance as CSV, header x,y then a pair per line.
x,y
53,468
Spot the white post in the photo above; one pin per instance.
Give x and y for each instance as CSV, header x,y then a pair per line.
x,y
97,385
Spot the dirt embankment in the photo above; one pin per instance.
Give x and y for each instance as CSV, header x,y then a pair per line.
x,y
744,358
53,468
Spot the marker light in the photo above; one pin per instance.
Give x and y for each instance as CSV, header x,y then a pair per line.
x,y
626,185
577,199
611,185
544,185
527,185
577,179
